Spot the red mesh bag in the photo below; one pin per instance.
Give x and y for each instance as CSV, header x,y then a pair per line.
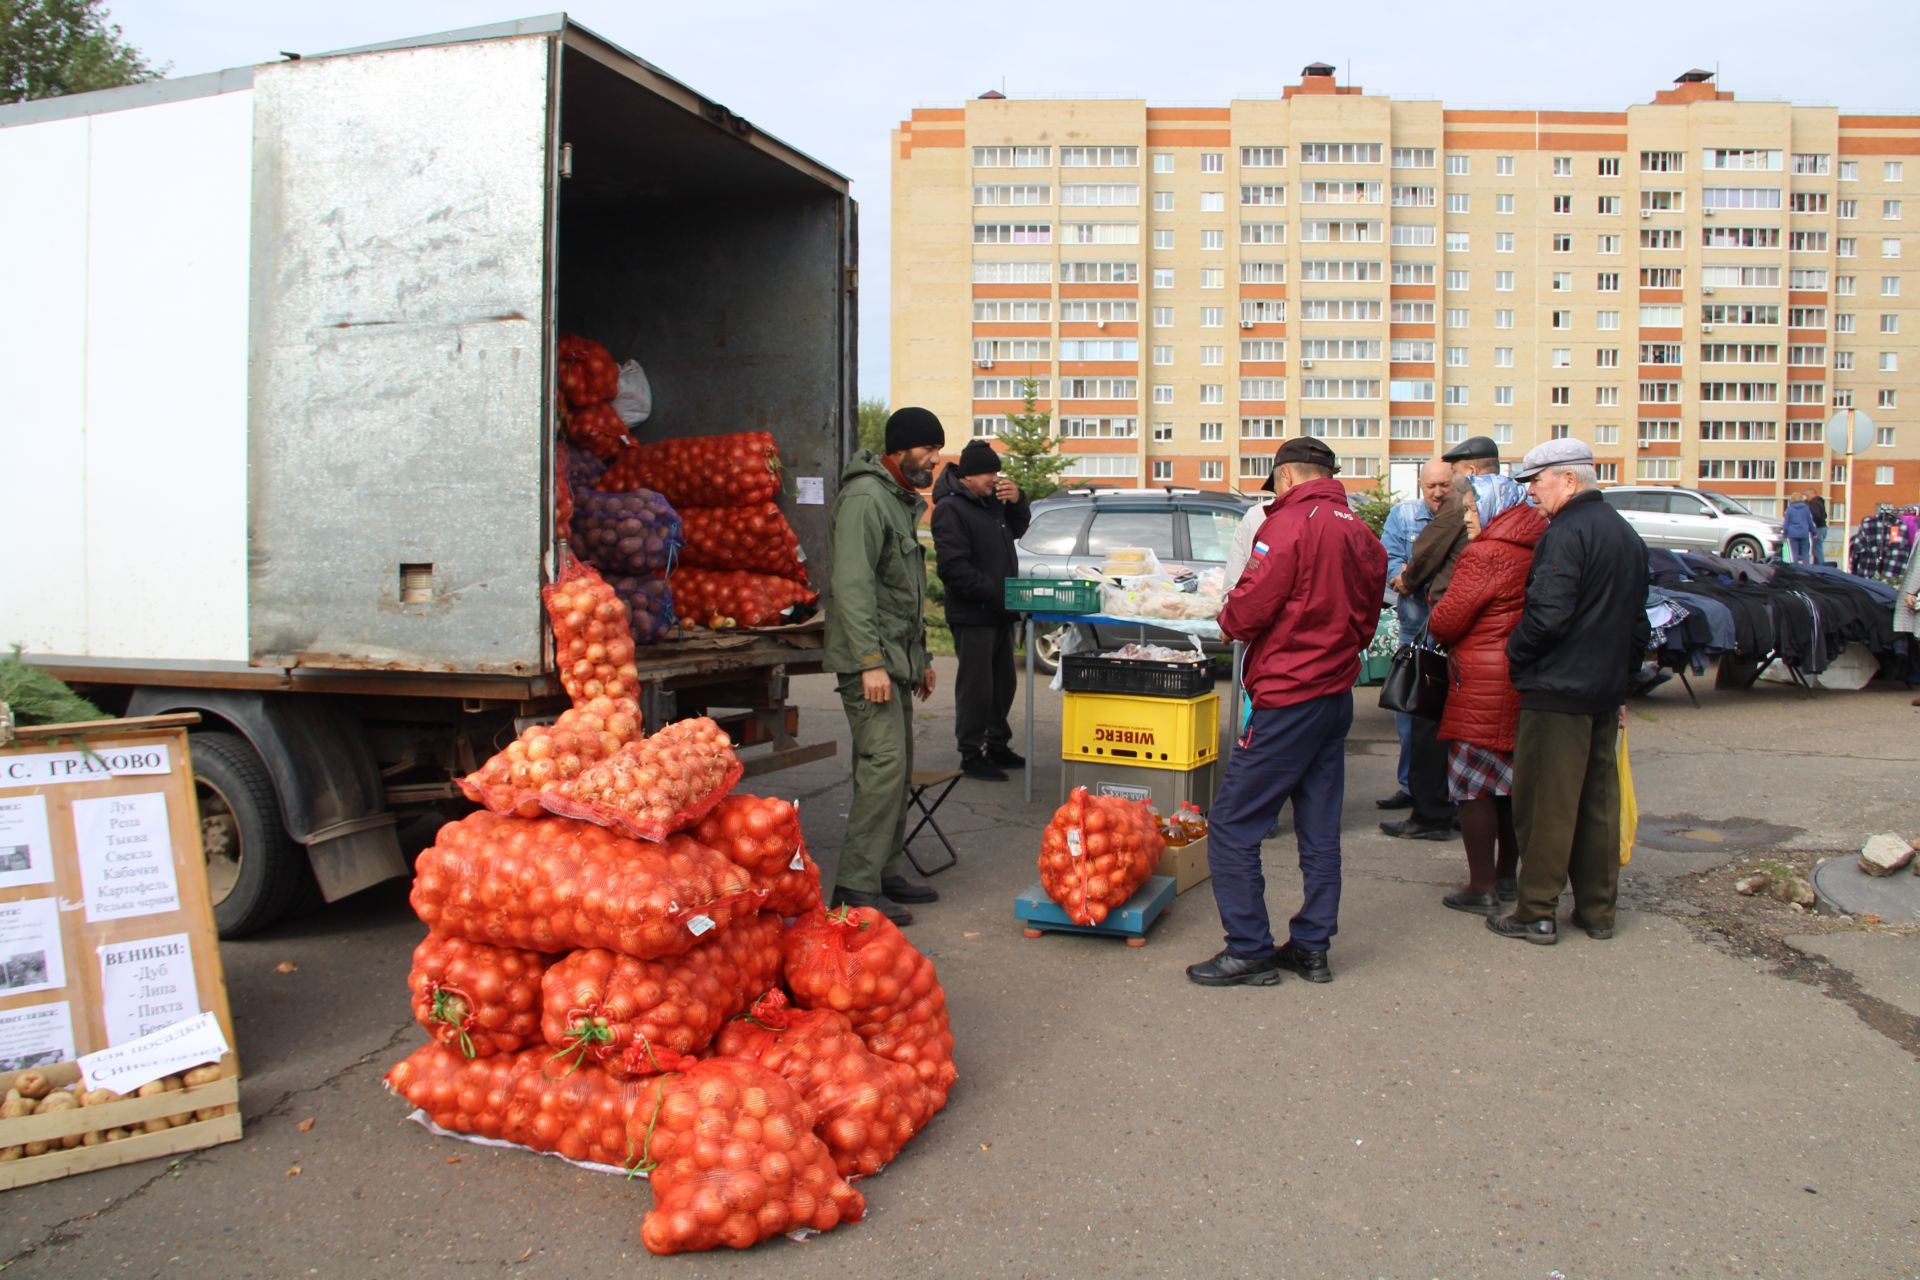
x,y
562,486
557,884
656,786
589,374
701,471
1096,852
762,836
865,1107
592,635
584,1115
733,1160
754,538
478,999
546,757
597,428
857,962
637,1017
720,598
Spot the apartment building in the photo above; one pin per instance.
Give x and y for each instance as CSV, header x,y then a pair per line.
x,y
1694,285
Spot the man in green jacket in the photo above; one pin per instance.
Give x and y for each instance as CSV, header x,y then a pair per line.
x,y
877,645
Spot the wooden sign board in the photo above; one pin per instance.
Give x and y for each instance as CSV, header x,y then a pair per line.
x,y
106,934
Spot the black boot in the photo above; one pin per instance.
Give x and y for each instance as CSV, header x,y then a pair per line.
x,y
878,901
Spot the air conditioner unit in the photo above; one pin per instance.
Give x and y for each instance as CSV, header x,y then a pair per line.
x,y
1706,213
1306,364
1100,324
1646,213
1708,290
1246,324
1706,328
983,364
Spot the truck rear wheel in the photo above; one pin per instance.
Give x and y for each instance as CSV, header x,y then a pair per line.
x,y
254,869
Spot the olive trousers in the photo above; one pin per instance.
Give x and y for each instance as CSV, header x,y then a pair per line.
x,y
882,764
1566,811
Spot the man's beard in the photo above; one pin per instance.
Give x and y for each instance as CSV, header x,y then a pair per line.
x,y
918,479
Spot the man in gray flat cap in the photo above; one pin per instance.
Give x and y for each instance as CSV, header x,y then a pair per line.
x,y
1582,637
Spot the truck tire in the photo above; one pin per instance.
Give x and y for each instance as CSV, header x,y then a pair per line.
x,y
254,869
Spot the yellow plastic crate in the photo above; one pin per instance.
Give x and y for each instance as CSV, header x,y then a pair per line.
x,y
1177,733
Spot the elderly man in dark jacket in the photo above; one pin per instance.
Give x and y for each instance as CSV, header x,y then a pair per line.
x,y
1583,635
977,515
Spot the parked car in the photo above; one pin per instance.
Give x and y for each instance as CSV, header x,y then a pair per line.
x,y
1696,520
1183,527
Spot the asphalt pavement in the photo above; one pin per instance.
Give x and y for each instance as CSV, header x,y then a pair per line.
x,y
1667,1103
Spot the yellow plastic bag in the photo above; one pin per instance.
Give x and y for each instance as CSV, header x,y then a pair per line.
x,y
1629,805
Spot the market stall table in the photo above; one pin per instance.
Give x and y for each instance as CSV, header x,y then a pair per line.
x,y
1201,630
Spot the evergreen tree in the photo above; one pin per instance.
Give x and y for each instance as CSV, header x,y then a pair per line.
x,y
1031,458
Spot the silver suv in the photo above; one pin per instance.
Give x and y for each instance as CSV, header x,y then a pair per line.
x,y
1184,527
1696,520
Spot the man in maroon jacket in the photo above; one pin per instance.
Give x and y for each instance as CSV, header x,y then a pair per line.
x,y
1306,606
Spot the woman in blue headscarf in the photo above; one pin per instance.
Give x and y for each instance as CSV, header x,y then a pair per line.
x,y
1481,608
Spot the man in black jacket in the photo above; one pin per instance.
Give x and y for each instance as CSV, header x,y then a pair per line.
x,y
977,514
1581,639
1817,507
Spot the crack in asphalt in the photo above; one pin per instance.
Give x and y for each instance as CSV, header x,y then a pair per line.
x,y
63,1233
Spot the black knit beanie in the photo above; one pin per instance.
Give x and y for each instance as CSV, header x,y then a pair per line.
x,y
913,428
978,459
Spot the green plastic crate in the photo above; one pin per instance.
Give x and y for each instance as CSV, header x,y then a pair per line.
x,y
1053,595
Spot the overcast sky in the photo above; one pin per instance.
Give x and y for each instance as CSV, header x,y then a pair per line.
x,y
833,78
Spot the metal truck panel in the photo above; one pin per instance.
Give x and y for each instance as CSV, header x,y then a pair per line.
x,y
123,381
398,413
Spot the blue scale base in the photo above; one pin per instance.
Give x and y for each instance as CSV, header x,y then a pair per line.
x,y
1041,914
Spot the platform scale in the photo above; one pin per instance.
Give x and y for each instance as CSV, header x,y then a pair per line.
x,y
1131,920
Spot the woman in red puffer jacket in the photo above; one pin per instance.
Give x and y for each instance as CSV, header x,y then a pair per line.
x,y
1481,607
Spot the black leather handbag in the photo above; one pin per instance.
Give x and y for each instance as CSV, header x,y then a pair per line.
x,y
1416,683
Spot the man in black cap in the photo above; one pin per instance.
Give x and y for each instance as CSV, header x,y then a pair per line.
x,y
1428,570
1306,606
977,515
877,644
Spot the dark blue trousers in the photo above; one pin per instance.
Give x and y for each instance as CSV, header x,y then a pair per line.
x,y
1295,753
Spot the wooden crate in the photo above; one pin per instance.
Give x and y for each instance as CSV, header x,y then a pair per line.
x,y
60,1162
81,940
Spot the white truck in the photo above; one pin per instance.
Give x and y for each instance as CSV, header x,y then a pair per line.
x,y
277,387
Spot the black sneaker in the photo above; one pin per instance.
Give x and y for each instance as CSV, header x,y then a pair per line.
x,y
1541,932
981,769
1311,965
1229,970
1414,829
1006,757
901,889
878,901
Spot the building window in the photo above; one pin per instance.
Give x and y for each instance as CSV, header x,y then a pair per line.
x,y
1563,204
1503,166
1099,157
1607,281
1339,153
987,426
1563,243
1503,204
1503,282
1849,171
1562,319
1890,321
1213,469
1456,281
1458,241
1882,474
1888,398
1413,157
1213,240
1213,317
1883,437
1012,157
1213,202
1458,166
1562,395
1013,233
1259,194
1607,433
1162,394
1607,358
1256,389
1611,319
1215,355
1163,355
1563,357
1894,170
1890,247
1163,162
1213,162
1162,240
1456,395
1263,157
1609,167
1607,244
1847,210
1163,277
1503,357
1215,393
1559,431
1503,395
1099,428
1563,166
1456,357
1099,193
1410,428
1503,318
1458,317
1163,431
1162,469
1013,194
1212,432
1163,202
